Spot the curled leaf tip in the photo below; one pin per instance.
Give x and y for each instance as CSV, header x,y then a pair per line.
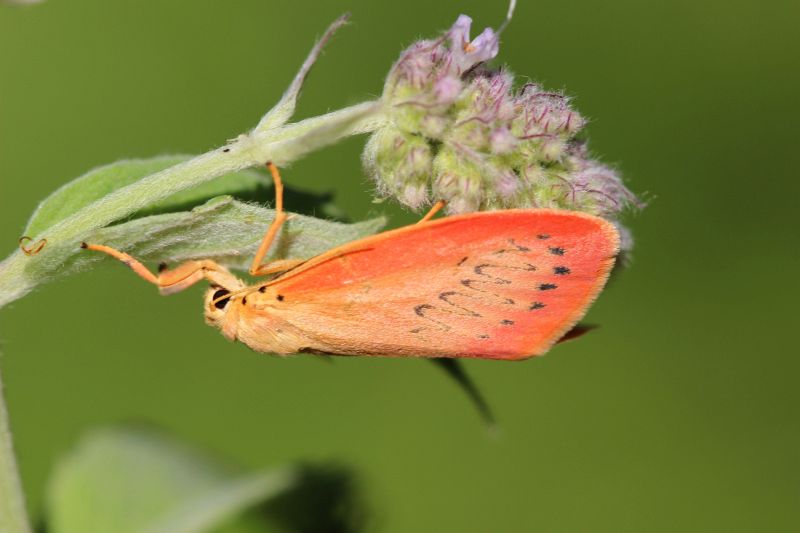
x,y
284,109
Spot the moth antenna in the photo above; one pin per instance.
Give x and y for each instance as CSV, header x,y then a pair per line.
x,y
232,295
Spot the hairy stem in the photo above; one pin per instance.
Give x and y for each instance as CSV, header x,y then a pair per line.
x,y
20,273
13,518
271,140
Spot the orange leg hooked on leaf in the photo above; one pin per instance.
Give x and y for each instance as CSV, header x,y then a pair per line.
x,y
170,281
34,248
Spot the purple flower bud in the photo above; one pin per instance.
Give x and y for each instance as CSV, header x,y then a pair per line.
x,y
459,32
485,46
467,54
502,141
625,240
447,89
458,131
507,184
415,195
601,190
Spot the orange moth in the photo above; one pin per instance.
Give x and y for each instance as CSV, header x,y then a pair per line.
x,y
491,285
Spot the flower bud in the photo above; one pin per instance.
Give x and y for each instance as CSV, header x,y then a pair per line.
x,y
502,141
458,131
457,181
506,184
401,165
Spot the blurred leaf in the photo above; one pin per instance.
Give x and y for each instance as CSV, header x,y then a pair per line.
x,y
99,182
129,480
324,499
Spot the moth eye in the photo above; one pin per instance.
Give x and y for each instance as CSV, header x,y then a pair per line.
x,y
221,303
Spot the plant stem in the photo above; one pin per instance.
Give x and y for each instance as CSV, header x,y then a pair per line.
x,y
13,517
13,283
20,273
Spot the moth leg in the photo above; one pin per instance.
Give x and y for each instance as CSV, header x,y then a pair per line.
x,y
34,248
435,209
170,281
279,265
256,268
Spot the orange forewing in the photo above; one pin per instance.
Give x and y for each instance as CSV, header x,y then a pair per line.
x,y
494,285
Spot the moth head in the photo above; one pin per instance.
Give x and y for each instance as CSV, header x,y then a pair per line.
x,y
221,305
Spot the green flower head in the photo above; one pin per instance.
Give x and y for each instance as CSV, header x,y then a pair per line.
x,y
460,131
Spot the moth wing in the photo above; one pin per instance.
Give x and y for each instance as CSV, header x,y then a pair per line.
x,y
495,285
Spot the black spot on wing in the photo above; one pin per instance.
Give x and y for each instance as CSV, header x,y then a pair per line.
x,y
561,270
479,270
420,309
555,250
445,297
536,305
547,286
516,248
543,236
519,247
507,322
470,283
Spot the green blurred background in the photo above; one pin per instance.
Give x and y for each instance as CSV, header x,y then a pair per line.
x,y
679,414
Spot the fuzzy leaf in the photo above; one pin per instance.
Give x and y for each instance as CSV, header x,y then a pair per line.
x,y
225,230
104,180
222,228
131,480
284,109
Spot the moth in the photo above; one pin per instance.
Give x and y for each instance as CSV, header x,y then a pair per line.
x,y
502,284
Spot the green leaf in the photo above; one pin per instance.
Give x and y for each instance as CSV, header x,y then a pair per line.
x,y
225,230
164,230
104,180
284,109
131,480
